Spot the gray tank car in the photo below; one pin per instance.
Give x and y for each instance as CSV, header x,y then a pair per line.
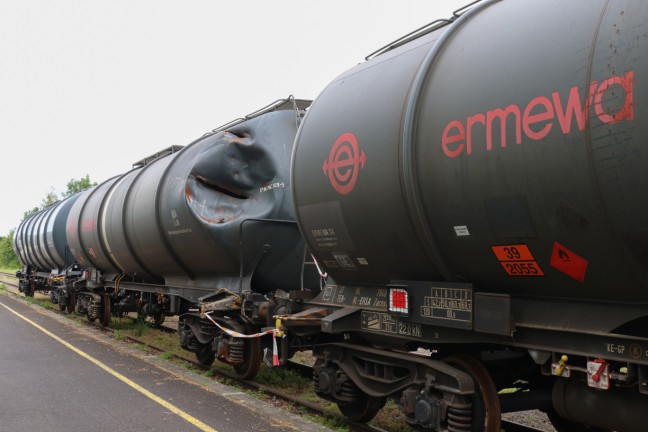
x,y
178,218
39,242
475,192
478,189
211,221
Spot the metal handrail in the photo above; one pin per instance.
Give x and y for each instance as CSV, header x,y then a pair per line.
x,y
421,31
295,104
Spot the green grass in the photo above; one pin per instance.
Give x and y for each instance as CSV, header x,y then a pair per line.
x,y
391,418
191,367
141,347
166,355
141,328
283,378
9,270
129,326
39,302
335,424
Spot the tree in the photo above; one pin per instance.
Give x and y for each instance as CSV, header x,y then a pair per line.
x,y
7,257
74,186
49,199
30,212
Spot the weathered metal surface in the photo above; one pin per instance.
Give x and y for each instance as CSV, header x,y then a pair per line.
x,y
505,152
39,240
200,216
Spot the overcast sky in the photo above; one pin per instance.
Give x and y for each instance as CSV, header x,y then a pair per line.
x,y
89,86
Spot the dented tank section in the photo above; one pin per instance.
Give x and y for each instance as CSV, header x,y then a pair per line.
x,y
216,211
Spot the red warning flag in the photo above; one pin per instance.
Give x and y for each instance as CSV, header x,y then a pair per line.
x,y
275,352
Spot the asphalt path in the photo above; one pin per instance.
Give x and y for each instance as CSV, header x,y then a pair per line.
x,y
58,375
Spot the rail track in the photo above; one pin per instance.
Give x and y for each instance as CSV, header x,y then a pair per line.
x,y
304,370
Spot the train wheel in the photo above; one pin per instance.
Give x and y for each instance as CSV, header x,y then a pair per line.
x,y
105,319
250,367
158,319
205,355
486,411
143,314
87,305
363,409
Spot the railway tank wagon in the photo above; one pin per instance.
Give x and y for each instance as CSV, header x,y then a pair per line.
x,y
212,220
39,243
478,189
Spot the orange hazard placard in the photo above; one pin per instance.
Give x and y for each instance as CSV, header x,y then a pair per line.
x,y
522,268
518,252
517,260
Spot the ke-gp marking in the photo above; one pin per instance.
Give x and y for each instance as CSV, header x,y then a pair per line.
x,y
540,115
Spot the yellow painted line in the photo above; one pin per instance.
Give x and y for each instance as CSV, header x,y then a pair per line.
x,y
194,421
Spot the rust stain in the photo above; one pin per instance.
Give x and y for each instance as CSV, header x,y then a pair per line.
x,y
212,221
188,193
246,139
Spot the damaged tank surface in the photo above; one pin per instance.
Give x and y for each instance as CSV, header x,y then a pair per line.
x,y
186,221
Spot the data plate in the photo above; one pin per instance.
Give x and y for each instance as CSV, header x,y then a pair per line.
x,y
443,304
387,323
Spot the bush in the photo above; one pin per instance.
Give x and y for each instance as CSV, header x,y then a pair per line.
x,y
8,258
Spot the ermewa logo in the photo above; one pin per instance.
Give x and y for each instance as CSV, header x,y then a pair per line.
x,y
344,163
540,116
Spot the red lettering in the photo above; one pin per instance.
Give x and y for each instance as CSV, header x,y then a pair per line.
x,y
72,227
458,135
528,119
88,225
453,139
627,110
470,121
502,114
573,108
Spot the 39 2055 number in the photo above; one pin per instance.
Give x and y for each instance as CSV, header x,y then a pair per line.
x,y
522,268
